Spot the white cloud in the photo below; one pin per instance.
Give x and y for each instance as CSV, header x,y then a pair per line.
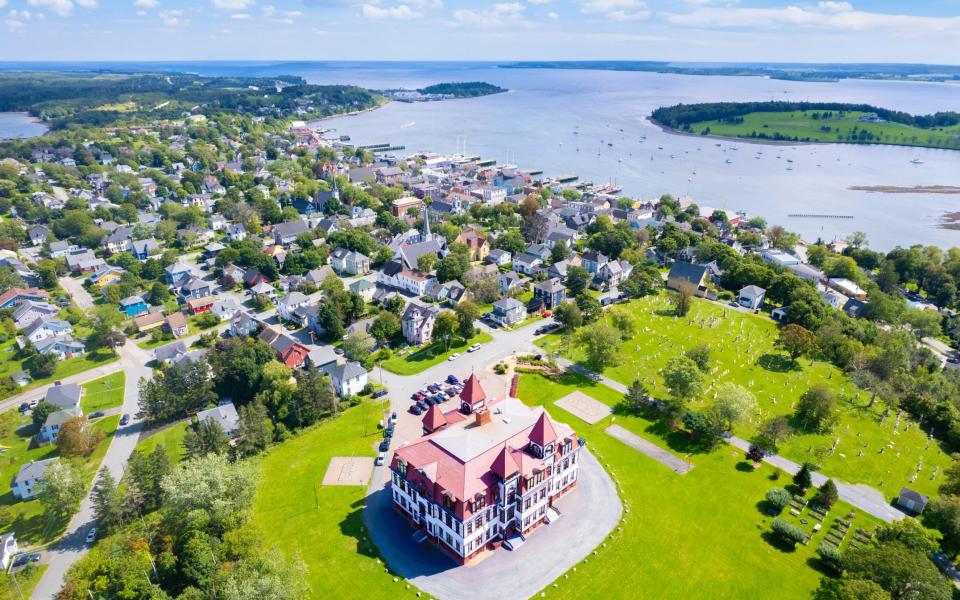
x,y
618,10
293,14
707,2
232,4
400,12
146,3
62,8
499,15
24,14
552,15
240,17
268,10
88,4
141,13
172,18
13,25
3,3
826,15
535,2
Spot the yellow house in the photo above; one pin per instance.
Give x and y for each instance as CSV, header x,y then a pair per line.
x,y
476,243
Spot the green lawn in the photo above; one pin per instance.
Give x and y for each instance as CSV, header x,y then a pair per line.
x,y
170,438
10,365
103,393
20,585
331,539
802,126
430,355
26,519
743,353
681,535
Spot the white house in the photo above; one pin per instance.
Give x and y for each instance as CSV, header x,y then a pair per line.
x,y
752,297
43,328
26,484
51,427
349,379
288,304
225,415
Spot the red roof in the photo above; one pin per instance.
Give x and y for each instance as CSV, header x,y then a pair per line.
x,y
472,392
543,432
14,293
504,465
434,418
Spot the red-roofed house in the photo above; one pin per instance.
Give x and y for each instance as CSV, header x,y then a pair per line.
x,y
478,476
17,296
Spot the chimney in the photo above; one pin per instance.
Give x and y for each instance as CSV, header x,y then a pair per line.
x,y
483,417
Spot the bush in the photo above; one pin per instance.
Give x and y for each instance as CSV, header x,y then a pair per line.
x,y
788,532
367,390
832,557
500,368
779,498
42,365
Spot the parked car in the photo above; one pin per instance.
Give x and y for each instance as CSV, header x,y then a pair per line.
x,y
393,418
454,356
91,535
452,379
384,445
24,407
95,415
124,419
380,458
380,393
474,347
415,409
423,405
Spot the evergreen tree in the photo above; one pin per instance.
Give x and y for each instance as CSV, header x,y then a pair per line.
x,y
802,479
107,502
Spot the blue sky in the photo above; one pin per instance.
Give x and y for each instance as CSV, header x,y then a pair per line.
x,y
698,30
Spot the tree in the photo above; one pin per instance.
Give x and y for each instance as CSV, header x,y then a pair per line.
x,y
40,413
105,321
196,560
755,454
146,472
796,340
205,437
181,389
700,355
832,588
467,313
802,478
817,409
683,379
636,397
943,512
857,239
76,439
314,397
385,327
427,262
590,308
42,366
778,498
732,405
624,321
256,430
568,314
107,502
511,241
682,301
559,252
900,570
358,345
828,494
601,343
446,327
214,485
831,557
62,488
578,278
452,266
773,431
787,531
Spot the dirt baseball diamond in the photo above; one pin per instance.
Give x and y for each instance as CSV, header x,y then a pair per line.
x,y
585,407
348,470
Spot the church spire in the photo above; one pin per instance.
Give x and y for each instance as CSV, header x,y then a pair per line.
x,y
426,226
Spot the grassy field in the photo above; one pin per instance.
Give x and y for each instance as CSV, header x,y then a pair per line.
x,y
170,438
10,365
20,585
330,539
103,393
681,534
802,126
435,353
743,353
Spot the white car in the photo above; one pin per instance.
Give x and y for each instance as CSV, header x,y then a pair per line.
x,y
474,347
454,356
91,535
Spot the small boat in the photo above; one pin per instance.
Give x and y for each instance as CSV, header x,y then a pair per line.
x,y
789,160
659,147
789,168
610,144
917,161
729,162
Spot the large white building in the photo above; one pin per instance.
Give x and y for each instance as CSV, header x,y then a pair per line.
x,y
483,473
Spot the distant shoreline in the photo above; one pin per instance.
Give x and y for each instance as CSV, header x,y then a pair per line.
x,y
30,118
916,189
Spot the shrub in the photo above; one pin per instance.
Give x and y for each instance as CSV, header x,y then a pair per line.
x,y
755,454
788,532
831,557
779,498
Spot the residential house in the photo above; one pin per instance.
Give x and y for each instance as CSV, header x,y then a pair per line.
x,y
914,502
264,289
27,483
528,264
38,234
365,288
807,272
200,305
16,296
84,261
751,297
847,288
499,257
288,351
349,379
551,292
63,395
592,261
225,415
133,306
779,257
613,273
62,249
149,321
176,324
119,240
142,249
286,234
51,427
176,273
417,323
231,275
477,244
509,311
480,272
684,275
253,277
319,275
403,205
290,303
29,311
61,346
169,353
236,232
194,288
46,328
512,280
105,276
226,307
349,262
243,324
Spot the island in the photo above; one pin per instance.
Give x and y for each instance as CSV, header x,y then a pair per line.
x,y
810,122
444,91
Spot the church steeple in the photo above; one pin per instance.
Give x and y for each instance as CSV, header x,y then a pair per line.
x,y
426,227
335,191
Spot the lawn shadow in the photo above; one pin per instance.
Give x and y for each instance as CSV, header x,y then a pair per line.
x,y
745,467
778,363
778,542
679,440
767,509
665,312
